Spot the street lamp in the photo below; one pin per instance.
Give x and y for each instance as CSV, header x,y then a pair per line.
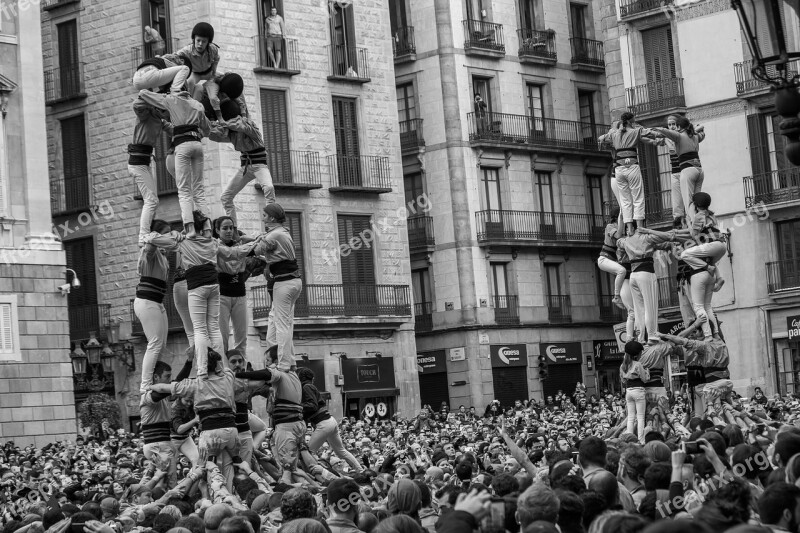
x,y
777,43
78,357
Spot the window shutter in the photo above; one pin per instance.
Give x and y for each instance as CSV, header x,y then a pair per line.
x,y
275,124
67,44
358,266
659,56
80,258
345,125
294,223
648,162
759,144
76,173
6,329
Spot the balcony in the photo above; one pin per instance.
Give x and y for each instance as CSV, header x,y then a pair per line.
x,y
267,60
411,138
559,309
483,38
771,188
536,228
151,50
85,319
295,170
342,300
420,234
423,317
47,5
174,322
658,208
69,195
632,9
64,84
667,293
403,45
587,54
348,63
503,130
610,312
506,308
657,98
537,47
360,173
747,84
783,276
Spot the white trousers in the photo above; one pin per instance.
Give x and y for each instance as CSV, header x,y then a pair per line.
x,y
280,330
627,187
627,300
691,181
204,310
189,178
635,399
233,309
260,173
180,296
644,289
146,182
153,318
612,267
151,77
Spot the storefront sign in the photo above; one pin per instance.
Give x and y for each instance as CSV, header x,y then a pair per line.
x,y
503,355
672,327
793,326
561,353
458,354
607,352
431,362
368,373
621,335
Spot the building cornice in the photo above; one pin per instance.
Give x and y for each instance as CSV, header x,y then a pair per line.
x,y
701,9
722,108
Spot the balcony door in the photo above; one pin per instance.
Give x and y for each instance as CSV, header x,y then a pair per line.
x,y
155,13
589,133
503,306
275,125
596,198
557,303
397,16
492,203
544,197
577,14
68,58
529,13
294,223
83,311
406,114
345,128
659,62
358,265
343,39
535,109
474,9
75,164
788,253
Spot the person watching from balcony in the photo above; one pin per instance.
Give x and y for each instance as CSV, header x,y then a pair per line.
x,y
275,30
687,141
481,113
154,43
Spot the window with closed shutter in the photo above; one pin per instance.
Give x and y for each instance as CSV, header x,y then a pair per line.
x,y
76,172
68,71
659,59
9,329
535,107
397,15
84,314
275,126
345,129
577,14
343,38
294,223
586,110
358,264
414,188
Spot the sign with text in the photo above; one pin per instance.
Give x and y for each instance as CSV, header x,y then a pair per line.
x,y
793,326
561,353
458,354
431,362
607,352
503,355
368,373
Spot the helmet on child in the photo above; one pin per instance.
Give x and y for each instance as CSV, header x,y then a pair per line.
x,y
701,200
203,29
232,85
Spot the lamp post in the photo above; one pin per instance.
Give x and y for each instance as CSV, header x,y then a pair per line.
x,y
773,46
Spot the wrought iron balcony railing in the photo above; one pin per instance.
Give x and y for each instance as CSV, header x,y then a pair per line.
x,y
522,130
610,312
411,134
631,8
483,36
783,275
772,187
538,226
420,232
747,83
64,83
277,57
423,316
559,309
348,299
587,52
69,194
348,63
535,44
295,169
667,292
85,319
656,96
151,50
47,5
360,173
506,308
403,44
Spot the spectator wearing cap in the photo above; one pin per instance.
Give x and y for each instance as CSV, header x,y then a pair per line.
x,y
109,507
343,498
405,498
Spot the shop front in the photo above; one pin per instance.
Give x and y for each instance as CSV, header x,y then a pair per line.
x,y
786,344
509,372
564,367
607,358
369,387
432,368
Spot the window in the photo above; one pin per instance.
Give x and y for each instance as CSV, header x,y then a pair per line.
x,y
499,279
68,61
596,196
294,223
586,113
544,190
577,14
343,38
155,13
8,22
421,285
406,102
483,87
275,125
788,240
474,9
265,9
84,313
414,189
9,329
358,266
490,187
345,128
397,15
553,280
529,13
75,186
659,57
777,159
535,106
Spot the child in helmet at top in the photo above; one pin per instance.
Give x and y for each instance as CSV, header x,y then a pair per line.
x,y
202,53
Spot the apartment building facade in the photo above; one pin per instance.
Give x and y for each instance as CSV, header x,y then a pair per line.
x,y
505,197
36,388
660,70
335,160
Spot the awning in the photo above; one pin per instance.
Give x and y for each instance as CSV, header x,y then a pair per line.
x,y
370,393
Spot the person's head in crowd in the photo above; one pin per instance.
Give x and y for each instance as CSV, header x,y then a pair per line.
x,y
191,522
94,508
567,476
367,522
399,524
779,506
504,484
162,372
78,521
632,466
657,477
592,453
570,511
297,503
605,483
52,517
787,444
657,451
109,508
343,496
163,522
621,523
404,498
243,486
236,524
538,502
302,525
214,516
594,504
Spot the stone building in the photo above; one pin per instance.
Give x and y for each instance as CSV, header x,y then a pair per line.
x,y
691,58
329,123
36,400
503,249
